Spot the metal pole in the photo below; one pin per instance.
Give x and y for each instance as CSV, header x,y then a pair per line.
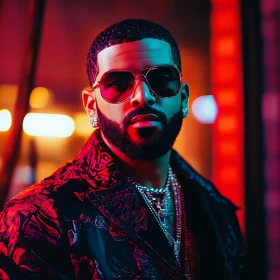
x,y
21,108
255,241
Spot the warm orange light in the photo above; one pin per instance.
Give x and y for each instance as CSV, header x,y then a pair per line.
x,y
5,120
51,125
82,124
8,94
40,97
87,88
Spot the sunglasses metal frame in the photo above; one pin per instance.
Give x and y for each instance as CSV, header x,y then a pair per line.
x,y
144,75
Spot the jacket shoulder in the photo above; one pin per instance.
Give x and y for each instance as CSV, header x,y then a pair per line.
x,y
184,170
32,214
32,226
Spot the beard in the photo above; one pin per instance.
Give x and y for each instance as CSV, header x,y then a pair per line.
x,y
153,142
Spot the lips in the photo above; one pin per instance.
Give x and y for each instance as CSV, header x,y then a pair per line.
x,y
144,118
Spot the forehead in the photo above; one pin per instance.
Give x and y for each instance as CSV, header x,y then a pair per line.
x,y
135,55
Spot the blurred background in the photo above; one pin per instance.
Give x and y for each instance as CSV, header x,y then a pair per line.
x,y
230,53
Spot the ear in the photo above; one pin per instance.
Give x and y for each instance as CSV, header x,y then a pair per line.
x,y
89,102
185,92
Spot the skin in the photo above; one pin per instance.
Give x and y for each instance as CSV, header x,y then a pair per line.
x,y
137,55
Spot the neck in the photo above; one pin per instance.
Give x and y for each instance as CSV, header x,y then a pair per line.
x,y
149,173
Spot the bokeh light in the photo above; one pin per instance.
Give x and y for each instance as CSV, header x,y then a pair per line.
x,y
40,97
204,109
5,120
51,125
82,124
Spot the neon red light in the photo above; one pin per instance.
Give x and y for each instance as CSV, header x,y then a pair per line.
x,y
226,71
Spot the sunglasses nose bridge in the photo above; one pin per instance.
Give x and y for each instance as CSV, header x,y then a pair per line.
x,y
143,77
143,94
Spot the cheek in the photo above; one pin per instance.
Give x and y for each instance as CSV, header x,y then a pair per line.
x,y
171,107
114,112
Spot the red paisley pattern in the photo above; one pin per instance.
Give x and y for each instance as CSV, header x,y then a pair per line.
x,y
32,214
3,275
126,207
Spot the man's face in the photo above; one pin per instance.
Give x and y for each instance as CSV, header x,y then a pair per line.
x,y
145,126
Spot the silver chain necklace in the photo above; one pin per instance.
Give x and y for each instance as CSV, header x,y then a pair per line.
x,y
159,198
158,209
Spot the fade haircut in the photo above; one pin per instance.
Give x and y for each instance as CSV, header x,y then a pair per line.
x,y
128,31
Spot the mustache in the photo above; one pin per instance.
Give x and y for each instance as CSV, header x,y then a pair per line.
x,y
144,111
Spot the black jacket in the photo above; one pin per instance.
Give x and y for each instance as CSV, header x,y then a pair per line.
x,y
87,221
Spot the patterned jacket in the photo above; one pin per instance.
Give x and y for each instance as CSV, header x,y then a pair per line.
x,y
87,221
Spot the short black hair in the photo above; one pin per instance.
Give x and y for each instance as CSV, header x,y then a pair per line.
x,y
128,31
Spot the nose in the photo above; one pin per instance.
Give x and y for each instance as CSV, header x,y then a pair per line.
x,y
142,95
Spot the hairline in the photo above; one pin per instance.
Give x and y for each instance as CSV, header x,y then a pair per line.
x,y
131,41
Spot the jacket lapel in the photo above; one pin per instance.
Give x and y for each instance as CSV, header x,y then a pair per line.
x,y
125,208
203,220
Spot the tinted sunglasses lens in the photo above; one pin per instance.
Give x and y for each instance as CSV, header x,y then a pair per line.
x,y
116,87
164,81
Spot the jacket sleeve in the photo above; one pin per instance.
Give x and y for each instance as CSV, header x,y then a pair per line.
x,y
31,242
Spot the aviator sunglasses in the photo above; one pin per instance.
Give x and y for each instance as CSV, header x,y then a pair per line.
x,y
117,86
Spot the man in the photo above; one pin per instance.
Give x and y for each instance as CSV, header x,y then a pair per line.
x,y
128,206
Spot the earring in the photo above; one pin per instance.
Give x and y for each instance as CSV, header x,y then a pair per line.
x,y
94,121
185,112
